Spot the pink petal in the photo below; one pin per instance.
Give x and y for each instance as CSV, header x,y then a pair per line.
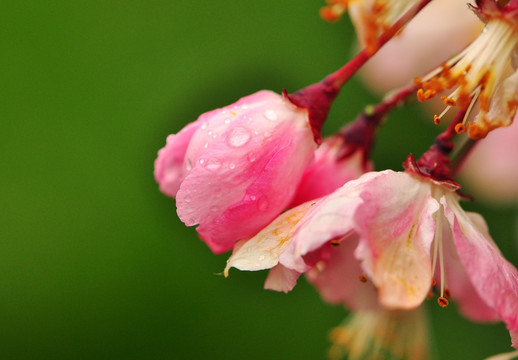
x,y
337,279
458,282
396,227
330,218
170,169
328,172
492,276
281,278
247,160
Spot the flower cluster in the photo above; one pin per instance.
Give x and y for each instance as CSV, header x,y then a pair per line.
x,y
258,179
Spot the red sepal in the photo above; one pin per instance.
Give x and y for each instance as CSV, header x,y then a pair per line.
x,y
317,99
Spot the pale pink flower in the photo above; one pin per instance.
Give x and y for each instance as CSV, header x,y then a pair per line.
x,y
411,229
370,330
274,248
482,75
236,168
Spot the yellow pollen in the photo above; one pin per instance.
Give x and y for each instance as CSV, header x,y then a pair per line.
x,y
436,120
363,278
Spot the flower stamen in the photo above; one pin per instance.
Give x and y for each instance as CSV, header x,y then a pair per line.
x,y
438,257
476,73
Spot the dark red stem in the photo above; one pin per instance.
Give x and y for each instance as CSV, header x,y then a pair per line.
x,y
317,98
341,76
361,133
435,163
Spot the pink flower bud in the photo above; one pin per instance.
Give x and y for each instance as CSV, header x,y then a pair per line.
x,y
236,168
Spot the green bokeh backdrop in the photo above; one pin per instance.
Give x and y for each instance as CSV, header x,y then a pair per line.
x,y
95,263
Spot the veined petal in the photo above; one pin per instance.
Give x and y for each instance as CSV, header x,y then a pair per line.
x,y
263,250
396,227
331,217
492,276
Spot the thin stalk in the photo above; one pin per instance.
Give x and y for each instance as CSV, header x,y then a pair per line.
x,y
340,77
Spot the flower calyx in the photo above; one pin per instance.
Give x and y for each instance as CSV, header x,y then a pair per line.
x,y
488,9
360,135
317,100
433,164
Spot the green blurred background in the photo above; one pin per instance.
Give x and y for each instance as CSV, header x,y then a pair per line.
x,y
95,263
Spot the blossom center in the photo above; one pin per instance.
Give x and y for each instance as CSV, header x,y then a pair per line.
x,y
475,73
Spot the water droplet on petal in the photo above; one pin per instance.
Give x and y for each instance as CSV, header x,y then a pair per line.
x,y
214,209
253,197
227,121
232,166
261,258
213,164
187,199
239,136
201,161
188,164
270,115
251,157
206,145
204,125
